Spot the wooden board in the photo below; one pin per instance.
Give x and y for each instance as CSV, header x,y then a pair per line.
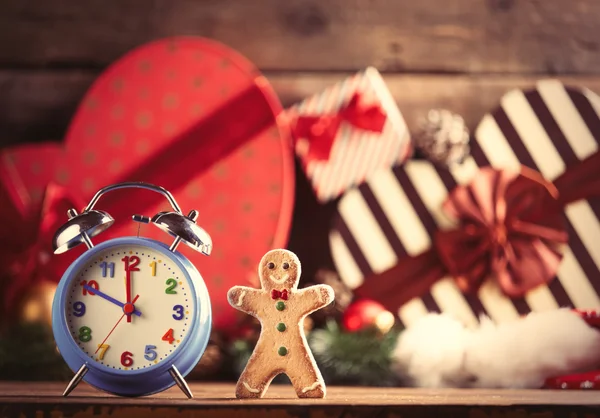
x,y
459,36
43,399
37,105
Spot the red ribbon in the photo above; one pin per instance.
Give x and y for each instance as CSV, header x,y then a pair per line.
x,y
583,380
577,381
510,227
211,139
276,294
27,249
193,151
506,229
591,317
321,131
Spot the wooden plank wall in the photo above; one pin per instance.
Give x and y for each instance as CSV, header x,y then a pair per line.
x,y
458,54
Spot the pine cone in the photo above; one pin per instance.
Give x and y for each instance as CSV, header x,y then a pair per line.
x,y
343,295
211,362
443,138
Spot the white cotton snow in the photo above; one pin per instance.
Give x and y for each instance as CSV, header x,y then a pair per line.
x,y
438,351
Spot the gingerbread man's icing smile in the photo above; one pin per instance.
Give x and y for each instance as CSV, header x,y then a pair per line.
x,y
278,281
281,308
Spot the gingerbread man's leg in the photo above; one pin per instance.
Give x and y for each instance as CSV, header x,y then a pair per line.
x,y
255,379
307,381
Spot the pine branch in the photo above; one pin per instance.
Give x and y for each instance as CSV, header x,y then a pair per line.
x,y
28,352
354,358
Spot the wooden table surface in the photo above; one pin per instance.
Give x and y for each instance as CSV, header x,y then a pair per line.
x,y
45,400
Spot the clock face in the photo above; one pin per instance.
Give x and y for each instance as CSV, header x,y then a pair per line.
x,y
129,307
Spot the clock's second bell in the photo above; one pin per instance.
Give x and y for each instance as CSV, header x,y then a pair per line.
x,y
185,229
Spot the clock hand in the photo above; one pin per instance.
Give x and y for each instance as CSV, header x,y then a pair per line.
x,y
130,265
113,328
103,295
128,287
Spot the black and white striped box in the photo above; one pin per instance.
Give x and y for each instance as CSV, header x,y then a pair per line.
x,y
397,212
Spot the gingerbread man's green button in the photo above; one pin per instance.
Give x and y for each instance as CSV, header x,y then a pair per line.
x,y
280,306
282,351
281,327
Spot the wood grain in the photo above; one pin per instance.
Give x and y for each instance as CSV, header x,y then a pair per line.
x,y
43,399
223,393
37,105
458,36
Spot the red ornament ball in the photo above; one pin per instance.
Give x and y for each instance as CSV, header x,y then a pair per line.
x,y
366,313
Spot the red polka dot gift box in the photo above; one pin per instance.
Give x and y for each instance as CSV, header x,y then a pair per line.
x,y
347,132
187,114
513,229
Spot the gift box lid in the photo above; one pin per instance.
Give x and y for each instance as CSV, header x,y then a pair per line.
x,y
188,114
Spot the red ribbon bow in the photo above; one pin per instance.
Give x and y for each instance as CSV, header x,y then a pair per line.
x,y
321,131
510,227
507,228
276,294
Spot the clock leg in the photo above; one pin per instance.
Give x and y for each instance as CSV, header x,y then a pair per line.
x,y
76,379
178,378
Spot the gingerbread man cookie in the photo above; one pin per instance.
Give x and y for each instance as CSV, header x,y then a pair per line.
x,y
281,308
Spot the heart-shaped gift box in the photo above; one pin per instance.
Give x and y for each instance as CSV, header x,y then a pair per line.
x,y
184,113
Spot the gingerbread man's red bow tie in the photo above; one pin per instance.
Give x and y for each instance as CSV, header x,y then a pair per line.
x,y
276,294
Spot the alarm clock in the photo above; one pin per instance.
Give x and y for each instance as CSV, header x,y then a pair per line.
x,y
131,316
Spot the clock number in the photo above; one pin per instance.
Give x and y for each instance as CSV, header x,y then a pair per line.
x,y
85,334
150,353
126,359
79,309
169,336
171,284
153,267
102,348
135,260
131,263
92,283
179,309
106,267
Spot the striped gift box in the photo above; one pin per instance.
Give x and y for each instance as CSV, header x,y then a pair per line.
x,y
355,153
397,212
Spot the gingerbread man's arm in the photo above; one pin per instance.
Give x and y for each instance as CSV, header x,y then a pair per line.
x,y
320,296
240,297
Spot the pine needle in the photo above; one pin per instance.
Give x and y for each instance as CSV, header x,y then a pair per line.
x,y
354,358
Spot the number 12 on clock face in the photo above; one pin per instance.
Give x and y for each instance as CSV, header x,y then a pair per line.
x,y
130,307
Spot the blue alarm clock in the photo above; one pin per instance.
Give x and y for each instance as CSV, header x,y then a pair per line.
x,y
131,316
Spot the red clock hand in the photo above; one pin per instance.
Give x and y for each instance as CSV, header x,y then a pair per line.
x,y
128,286
113,328
130,265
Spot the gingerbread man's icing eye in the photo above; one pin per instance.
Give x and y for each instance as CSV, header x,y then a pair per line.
x,y
286,266
271,266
